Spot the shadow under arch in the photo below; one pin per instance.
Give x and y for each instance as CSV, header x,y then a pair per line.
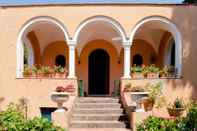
x,y
24,28
168,25
115,25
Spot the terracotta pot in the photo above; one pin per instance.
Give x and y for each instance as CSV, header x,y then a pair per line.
x,y
43,75
148,104
176,112
60,75
137,75
70,89
163,77
152,75
27,74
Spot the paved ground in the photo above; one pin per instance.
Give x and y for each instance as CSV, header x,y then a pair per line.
x,y
99,129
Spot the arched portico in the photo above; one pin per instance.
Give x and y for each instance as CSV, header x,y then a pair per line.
x,y
24,30
102,27
164,24
102,32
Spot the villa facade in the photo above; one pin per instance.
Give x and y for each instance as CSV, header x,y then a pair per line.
x,y
98,44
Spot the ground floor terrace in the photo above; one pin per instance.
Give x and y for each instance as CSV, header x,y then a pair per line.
x,y
99,53
99,56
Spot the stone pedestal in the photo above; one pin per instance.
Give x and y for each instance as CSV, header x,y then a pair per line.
x,y
60,118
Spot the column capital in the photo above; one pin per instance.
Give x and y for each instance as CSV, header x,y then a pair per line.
x,y
72,43
127,44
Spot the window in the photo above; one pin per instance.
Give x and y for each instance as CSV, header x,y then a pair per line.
x,y
60,60
137,60
46,112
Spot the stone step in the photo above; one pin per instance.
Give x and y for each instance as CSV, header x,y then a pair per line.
x,y
101,117
98,111
97,105
98,124
97,100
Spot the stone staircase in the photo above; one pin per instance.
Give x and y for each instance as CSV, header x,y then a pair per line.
x,y
98,112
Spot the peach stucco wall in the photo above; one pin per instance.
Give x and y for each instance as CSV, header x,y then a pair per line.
x,y
54,49
144,49
12,20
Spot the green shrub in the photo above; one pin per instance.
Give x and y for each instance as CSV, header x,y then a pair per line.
x,y
12,119
41,124
157,124
188,123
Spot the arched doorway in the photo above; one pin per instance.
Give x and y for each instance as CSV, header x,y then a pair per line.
x,y
99,72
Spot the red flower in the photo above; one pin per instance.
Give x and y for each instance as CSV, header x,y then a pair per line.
x,y
60,89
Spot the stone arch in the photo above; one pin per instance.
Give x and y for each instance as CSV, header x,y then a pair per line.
x,y
20,46
170,27
115,24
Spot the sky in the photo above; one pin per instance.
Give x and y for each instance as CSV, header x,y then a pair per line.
x,y
20,2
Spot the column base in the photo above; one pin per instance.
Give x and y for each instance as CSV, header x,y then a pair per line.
x,y
71,77
126,77
60,118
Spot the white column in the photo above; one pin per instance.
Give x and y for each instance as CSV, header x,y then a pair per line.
x,y
71,59
127,54
20,59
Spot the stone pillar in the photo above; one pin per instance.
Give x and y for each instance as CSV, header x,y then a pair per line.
x,y
71,59
20,59
60,118
127,60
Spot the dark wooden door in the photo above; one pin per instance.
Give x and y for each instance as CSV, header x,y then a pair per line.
x,y
99,72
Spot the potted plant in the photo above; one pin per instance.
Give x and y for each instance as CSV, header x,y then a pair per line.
x,y
151,72
163,73
177,108
45,71
137,72
60,96
34,71
171,71
60,72
27,71
154,94
70,89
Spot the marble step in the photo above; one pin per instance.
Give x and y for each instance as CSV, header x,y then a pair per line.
x,y
98,111
97,105
101,117
98,124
